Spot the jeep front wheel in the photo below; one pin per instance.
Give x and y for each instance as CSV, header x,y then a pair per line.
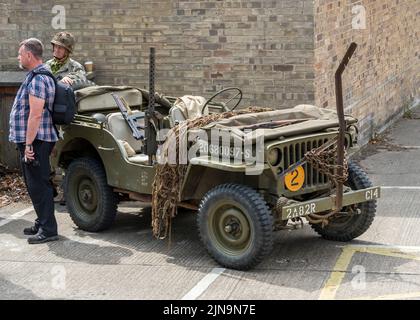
x,y
358,217
91,202
236,226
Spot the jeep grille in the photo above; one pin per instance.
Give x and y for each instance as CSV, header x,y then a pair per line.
x,y
293,151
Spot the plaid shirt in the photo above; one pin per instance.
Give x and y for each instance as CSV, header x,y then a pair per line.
x,y
42,87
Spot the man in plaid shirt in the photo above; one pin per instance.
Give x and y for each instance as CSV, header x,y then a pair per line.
x,y
32,129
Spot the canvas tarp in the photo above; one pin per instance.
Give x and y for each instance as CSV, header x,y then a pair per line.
x,y
191,106
303,119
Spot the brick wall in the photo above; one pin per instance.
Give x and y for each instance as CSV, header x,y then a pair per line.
x,y
280,52
265,47
383,76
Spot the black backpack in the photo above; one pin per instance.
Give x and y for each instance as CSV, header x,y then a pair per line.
x,y
64,106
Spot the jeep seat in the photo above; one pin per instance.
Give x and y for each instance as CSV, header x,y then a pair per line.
x,y
131,155
121,130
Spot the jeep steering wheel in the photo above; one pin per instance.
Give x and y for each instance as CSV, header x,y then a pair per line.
x,y
224,104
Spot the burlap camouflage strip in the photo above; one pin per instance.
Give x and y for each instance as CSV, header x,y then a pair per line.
x,y
169,177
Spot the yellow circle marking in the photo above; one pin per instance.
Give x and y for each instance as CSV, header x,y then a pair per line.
x,y
294,180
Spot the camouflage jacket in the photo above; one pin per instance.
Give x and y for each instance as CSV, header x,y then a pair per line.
x,y
72,69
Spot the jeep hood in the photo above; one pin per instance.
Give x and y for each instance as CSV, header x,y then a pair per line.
x,y
303,118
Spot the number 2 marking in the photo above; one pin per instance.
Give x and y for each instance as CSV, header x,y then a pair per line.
x,y
295,175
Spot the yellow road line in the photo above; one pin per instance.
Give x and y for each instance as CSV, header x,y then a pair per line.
x,y
390,252
329,291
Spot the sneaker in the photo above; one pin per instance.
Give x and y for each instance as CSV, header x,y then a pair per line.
x,y
41,238
30,231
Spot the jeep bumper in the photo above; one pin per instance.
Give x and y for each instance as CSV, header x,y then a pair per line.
x,y
302,209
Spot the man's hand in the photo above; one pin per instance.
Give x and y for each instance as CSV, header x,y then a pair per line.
x,y
67,80
29,153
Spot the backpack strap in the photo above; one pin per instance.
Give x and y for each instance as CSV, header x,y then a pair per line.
x,y
49,74
45,73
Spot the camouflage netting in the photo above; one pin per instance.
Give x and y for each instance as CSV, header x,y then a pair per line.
x,y
169,177
324,158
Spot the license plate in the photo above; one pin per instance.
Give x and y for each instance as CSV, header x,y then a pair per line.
x,y
328,203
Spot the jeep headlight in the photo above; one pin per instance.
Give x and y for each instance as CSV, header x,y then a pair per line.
x,y
274,156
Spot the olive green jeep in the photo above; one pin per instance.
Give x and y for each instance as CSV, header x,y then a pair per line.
x,y
275,170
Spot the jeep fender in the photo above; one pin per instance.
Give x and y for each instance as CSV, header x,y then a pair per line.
x,y
204,173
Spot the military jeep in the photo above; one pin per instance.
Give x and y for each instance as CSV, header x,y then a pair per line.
x,y
110,152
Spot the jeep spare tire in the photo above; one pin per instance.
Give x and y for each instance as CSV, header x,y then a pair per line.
x,y
90,200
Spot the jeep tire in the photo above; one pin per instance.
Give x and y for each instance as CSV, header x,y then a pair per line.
x,y
348,228
235,225
91,202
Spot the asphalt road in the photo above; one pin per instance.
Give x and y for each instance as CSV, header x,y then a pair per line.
x,y
125,262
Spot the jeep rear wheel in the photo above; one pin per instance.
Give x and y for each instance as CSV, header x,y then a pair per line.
x,y
236,226
348,227
91,202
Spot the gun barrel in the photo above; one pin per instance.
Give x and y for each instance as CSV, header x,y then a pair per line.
x,y
150,144
152,80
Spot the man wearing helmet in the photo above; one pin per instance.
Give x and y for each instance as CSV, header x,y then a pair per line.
x,y
62,66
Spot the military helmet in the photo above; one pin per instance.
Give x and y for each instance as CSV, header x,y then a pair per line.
x,y
64,39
